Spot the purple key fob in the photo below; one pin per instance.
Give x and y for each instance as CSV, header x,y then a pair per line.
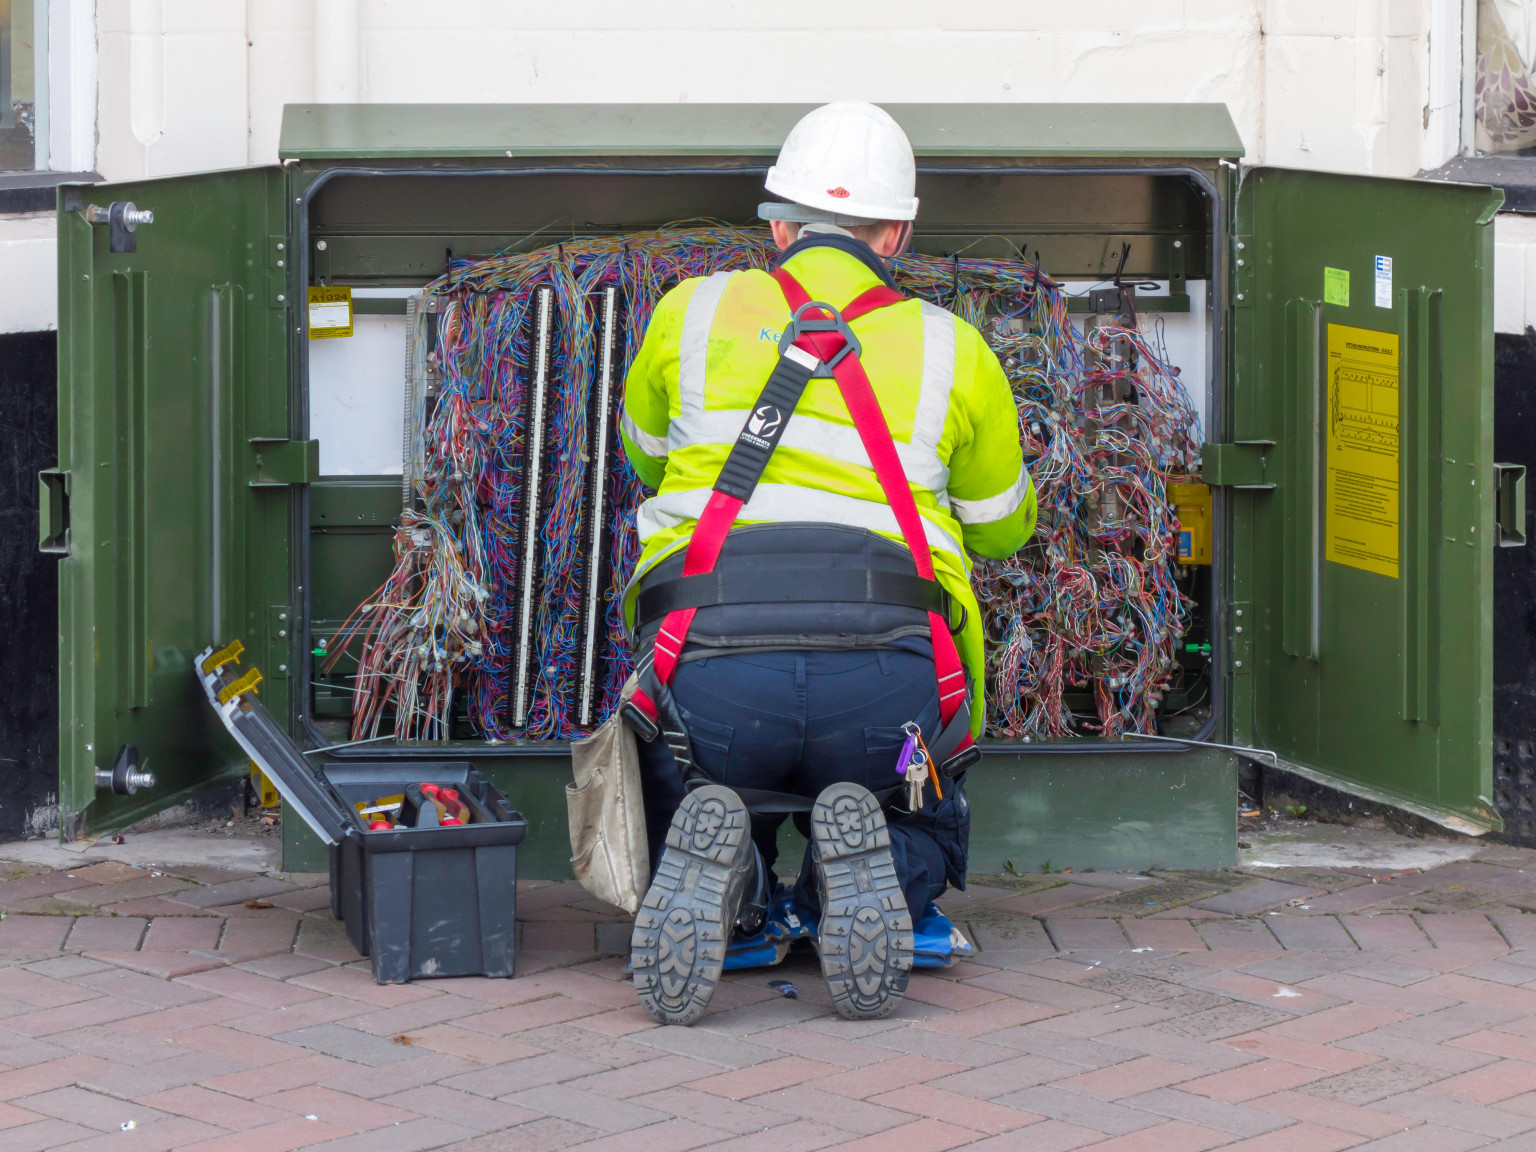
x,y
908,750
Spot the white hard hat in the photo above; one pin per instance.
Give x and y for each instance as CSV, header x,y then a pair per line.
x,y
847,160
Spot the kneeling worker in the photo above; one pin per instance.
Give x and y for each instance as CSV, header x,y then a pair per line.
x,y
803,566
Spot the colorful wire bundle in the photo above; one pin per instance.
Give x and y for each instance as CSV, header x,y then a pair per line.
x,y
1091,600
1090,603
468,463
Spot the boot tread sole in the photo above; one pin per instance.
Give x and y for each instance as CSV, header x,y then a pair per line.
x,y
865,935
677,948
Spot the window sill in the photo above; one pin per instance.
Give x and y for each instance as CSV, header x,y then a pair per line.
x,y
1516,175
35,191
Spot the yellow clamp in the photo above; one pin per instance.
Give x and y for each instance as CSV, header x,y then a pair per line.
x,y
229,654
267,794
246,683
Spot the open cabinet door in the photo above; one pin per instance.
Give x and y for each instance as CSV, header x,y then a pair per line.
x,y
173,501
1362,499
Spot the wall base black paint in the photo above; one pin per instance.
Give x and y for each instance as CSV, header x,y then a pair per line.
x,y
29,602
1514,598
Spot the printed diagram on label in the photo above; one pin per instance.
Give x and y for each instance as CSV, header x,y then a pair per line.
x,y
1364,416
1364,507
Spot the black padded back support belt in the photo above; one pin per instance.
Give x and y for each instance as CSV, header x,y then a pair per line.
x,y
791,586
796,580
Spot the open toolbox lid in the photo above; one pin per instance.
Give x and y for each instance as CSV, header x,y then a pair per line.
x,y
233,696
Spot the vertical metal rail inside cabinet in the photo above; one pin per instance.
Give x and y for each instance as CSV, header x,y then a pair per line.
x,y
599,423
1217,344
408,437
535,433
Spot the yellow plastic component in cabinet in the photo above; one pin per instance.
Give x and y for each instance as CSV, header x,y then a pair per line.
x,y
1192,504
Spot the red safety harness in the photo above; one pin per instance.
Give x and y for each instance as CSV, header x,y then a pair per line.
x,y
818,342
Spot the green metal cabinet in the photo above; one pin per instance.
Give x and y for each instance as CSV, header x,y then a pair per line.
x,y
189,509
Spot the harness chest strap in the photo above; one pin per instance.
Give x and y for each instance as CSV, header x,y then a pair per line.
x,y
749,457
875,434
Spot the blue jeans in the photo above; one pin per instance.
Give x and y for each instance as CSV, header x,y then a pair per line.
x,y
799,721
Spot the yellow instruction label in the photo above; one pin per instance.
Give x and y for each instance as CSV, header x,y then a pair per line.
x,y
330,312
1364,506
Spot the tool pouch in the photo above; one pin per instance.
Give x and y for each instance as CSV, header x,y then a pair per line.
x,y
606,814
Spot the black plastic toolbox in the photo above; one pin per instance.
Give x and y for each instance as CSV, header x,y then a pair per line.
x,y
428,901
420,902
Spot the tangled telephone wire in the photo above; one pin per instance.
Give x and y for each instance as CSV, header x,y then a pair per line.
x,y
1090,604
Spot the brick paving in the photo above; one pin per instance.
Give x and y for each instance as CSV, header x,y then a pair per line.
x,y
1285,1009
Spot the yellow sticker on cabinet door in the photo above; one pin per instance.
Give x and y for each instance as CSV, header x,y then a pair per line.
x,y
330,312
1364,506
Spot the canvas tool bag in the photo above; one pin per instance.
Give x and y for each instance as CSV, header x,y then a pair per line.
x,y
609,852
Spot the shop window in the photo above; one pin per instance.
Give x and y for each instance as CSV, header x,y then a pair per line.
x,y
1505,88
20,81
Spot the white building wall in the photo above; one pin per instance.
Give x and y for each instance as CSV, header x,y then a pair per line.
x,y
189,85
1514,273
28,273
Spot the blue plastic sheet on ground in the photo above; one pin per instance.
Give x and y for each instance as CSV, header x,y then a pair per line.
x,y
937,943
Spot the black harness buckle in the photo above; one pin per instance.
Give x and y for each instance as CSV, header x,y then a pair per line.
x,y
960,761
951,602
644,727
800,324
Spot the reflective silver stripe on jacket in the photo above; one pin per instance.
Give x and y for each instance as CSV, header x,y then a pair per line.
x,y
938,379
693,347
785,504
839,441
993,508
654,446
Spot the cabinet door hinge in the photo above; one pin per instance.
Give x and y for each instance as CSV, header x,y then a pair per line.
x,y
1242,272
278,261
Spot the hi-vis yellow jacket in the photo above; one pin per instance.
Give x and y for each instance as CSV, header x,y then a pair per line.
x,y
710,348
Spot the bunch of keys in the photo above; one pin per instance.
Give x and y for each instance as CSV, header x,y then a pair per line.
x,y
914,763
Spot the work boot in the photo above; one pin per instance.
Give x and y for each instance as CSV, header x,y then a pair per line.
x,y
756,897
865,936
678,946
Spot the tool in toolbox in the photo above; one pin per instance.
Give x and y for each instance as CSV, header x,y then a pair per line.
x,y
382,814
442,806
433,805
451,809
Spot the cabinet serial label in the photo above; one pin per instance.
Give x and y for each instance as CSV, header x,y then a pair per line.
x,y
330,312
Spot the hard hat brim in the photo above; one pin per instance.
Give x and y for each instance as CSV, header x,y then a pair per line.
x,y
804,214
822,199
